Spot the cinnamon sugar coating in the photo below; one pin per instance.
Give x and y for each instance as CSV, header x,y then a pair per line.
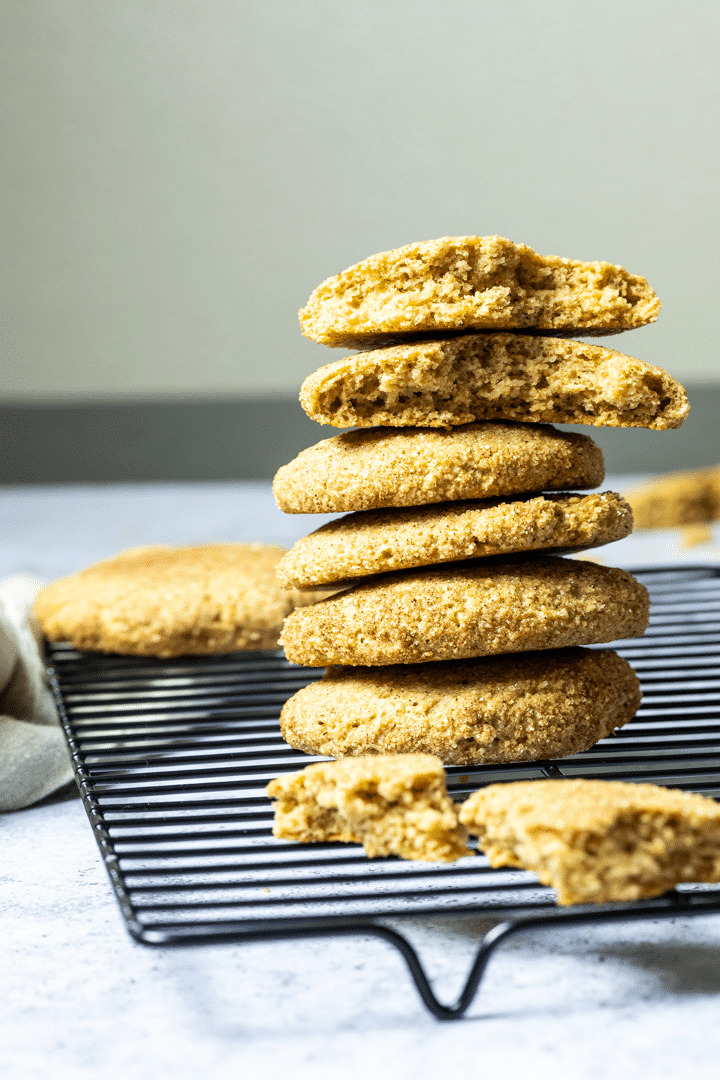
x,y
380,467
468,609
527,707
378,541
170,601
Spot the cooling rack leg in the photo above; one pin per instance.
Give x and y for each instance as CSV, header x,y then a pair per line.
x,y
492,940
677,905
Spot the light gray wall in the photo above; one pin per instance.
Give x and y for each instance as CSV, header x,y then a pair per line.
x,y
179,175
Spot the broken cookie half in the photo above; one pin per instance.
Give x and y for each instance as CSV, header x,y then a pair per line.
x,y
392,804
597,841
474,282
451,381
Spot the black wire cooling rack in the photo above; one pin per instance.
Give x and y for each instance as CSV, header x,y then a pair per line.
x,y
172,758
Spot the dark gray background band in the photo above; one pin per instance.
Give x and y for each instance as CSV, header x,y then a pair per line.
x,y
249,438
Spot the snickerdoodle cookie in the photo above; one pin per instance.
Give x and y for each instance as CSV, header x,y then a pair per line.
x,y
525,707
469,609
474,283
598,841
167,601
681,498
378,541
380,467
391,804
498,376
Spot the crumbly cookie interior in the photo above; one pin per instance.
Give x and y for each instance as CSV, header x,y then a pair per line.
x,y
393,805
598,841
494,377
476,282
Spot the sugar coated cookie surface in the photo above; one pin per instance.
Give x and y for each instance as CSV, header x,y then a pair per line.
x,y
391,804
598,841
682,498
493,377
469,609
378,541
166,601
474,282
526,707
380,467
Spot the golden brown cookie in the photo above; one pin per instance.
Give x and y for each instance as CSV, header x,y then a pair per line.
x,y
392,805
167,601
598,841
380,467
681,498
474,283
526,707
498,376
378,541
468,609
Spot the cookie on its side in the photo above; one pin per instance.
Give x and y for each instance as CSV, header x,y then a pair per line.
x,y
465,610
681,498
379,541
392,805
527,707
498,376
598,841
170,601
474,283
381,467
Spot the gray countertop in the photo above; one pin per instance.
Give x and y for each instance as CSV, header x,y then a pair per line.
x,y
82,999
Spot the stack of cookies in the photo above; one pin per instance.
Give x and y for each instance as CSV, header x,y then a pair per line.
x,y
459,630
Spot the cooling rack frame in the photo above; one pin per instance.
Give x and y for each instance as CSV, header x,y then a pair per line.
x,y
113,759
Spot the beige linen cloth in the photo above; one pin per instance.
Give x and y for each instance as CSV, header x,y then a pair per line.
x,y
34,759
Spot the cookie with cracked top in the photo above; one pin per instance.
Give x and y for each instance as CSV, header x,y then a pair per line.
x,y
379,541
170,601
469,609
381,467
492,710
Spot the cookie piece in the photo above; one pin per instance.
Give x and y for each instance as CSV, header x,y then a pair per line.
x,y
391,804
695,535
529,707
378,541
494,377
469,609
170,601
681,498
474,283
598,841
379,467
